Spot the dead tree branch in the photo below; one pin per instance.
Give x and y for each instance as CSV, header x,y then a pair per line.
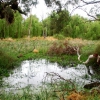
x,y
94,17
91,2
84,3
56,79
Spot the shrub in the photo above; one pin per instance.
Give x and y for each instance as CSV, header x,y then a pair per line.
x,y
61,48
59,36
6,61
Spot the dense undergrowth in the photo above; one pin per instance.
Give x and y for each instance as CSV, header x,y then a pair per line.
x,y
12,52
7,62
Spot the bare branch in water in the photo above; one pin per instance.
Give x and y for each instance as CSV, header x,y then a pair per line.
x,y
56,79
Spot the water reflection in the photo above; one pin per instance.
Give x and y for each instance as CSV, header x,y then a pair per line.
x,y
32,73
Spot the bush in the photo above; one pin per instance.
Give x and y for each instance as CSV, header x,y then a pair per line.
x,y
61,48
6,61
59,36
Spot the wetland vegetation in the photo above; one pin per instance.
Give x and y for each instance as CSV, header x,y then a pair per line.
x,y
55,39
14,51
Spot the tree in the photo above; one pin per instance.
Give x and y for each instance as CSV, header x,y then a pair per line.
x,y
58,20
90,7
13,30
35,28
8,7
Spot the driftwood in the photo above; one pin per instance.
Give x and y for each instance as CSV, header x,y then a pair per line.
x,y
92,85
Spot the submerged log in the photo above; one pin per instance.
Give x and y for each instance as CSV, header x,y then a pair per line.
x,y
91,85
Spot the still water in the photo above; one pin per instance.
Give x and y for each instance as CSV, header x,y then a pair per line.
x,y
32,72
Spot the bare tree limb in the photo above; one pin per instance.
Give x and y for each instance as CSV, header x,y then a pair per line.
x,y
55,77
89,14
84,3
91,2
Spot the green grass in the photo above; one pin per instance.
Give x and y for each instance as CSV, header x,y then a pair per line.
x,y
59,36
52,91
13,52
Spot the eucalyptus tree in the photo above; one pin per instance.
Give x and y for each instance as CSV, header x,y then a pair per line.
x,y
16,26
8,7
46,26
35,28
58,22
13,30
2,28
90,7
78,26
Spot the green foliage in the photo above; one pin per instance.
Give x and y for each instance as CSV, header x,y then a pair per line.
x,y
57,23
9,15
59,36
32,23
97,49
72,26
6,63
10,50
58,20
20,27
6,60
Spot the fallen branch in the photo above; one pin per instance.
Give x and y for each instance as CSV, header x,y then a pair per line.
x,y
56,78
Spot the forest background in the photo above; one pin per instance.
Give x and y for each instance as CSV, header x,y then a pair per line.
x,y
57,23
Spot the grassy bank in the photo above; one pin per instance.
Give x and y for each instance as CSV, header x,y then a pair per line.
x,y
13,51
64,90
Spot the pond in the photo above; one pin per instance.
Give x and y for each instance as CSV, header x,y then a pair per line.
x,y
32,72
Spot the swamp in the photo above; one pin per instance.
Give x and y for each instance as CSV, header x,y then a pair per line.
x,y
49,50
34,72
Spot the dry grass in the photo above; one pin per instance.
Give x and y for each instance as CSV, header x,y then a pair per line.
x,y
50,38
79,41
75,96
41,38
8,39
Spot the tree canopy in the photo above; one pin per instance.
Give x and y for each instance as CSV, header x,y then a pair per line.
x,y
8,7
90,7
